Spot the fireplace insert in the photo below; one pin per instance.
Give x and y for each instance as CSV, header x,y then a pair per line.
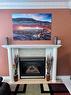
x,y
32,67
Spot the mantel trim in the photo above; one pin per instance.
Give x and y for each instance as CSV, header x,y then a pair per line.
x,y
35,5
32,46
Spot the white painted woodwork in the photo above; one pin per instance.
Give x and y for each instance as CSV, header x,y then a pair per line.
x,y
36,49
10,61
35,4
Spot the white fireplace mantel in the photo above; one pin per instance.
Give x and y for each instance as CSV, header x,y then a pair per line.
x,y
32,46
49,48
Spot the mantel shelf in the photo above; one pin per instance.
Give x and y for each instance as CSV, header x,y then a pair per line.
x,y
32,46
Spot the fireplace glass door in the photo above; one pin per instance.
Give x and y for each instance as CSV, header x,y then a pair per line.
x,y
32,67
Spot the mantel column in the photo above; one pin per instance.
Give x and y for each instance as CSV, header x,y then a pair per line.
x,y
10,62
54,68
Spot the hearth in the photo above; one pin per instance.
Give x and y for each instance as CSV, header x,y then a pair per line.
x,y
32,67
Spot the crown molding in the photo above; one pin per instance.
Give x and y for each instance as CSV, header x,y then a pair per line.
x,y
69,5
35,5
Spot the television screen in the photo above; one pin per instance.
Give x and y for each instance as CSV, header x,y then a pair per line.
x,y
32,26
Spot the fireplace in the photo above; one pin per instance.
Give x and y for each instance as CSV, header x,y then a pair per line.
x,y
32,67
32,51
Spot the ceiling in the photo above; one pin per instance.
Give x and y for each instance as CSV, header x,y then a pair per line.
x,y
34,1
34,4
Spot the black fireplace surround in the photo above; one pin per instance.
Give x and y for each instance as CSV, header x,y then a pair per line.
x,y
32,67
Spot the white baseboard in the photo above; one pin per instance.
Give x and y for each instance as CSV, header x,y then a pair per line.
x,y
6,78
63,77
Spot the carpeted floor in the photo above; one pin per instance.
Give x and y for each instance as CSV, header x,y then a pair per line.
x,y
39,89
